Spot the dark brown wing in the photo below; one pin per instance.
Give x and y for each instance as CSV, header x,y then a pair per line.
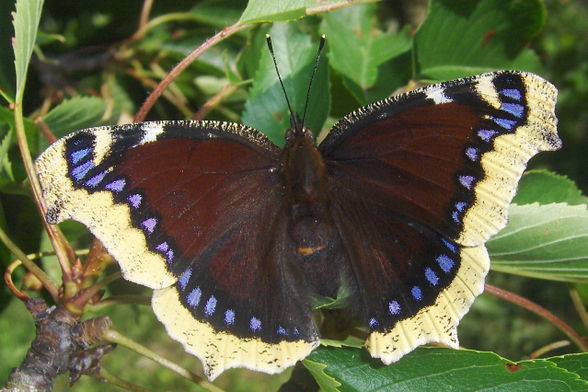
x,y
193,210
418,184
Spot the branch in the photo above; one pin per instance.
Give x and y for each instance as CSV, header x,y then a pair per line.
x,y
579,340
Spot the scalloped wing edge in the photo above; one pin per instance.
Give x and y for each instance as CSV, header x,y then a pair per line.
x,y
219,351
438,322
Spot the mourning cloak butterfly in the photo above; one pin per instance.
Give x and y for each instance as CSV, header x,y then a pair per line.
x,y
237,236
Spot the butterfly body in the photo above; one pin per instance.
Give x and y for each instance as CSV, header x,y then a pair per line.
x,y
239,239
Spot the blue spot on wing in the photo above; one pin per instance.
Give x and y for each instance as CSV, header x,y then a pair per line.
x,y
505,122
513,108
210,306
230,317
97,179
487,134
79,172
78,155
184,278
450,245
445,262
394,307
194,297
511,93
255,324
431,276
417,293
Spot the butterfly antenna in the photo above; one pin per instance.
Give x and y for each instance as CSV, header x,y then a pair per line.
x,y
268,38
316,64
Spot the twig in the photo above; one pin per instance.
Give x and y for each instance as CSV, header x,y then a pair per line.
x,y
87,294
579,340
47,282
550,347
59,244
215,39
578,304
145,11
113,336
214,101
10,284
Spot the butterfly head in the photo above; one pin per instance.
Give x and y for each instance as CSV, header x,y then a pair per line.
x,y
298,131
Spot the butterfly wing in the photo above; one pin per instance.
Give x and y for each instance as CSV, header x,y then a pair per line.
x,y
193,210
436,170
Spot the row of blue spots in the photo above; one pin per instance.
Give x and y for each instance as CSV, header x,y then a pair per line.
x,y
195,295
445,262
284,332
166,250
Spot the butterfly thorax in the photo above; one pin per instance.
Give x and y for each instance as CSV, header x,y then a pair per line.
x,y
303,175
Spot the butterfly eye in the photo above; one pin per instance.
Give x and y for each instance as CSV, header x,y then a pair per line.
x,y
289,134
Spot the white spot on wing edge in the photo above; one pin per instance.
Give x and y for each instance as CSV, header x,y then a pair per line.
x,y
152,131
485,88
102,142
437,94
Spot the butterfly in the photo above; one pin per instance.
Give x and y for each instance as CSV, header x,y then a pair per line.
x,y
240,239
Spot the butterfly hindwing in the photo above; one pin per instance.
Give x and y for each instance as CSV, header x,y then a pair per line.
x,y
419,183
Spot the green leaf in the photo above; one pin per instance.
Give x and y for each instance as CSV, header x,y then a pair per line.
x,y
74,114
356,47
543,241
325,382
12,172
6,173
218,13
575,363
437,369
26,21
266,108
281,11
462,37
7,82
544,187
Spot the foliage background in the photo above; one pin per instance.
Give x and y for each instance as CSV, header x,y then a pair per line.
x,y
83,50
